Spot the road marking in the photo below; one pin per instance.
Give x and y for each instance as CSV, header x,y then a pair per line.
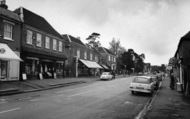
x,y
10,110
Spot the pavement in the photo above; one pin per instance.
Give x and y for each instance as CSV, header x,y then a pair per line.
x,y
168,104
15,87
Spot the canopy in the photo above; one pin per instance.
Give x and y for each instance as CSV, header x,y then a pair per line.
x,y
7,54
90,64
104,66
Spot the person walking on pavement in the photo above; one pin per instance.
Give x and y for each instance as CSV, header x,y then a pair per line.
x,y
172,80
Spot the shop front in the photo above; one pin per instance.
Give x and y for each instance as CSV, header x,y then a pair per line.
x,y
9,63
88,68
40,66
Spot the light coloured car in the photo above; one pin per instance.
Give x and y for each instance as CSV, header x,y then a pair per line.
x,y
143,84
106,76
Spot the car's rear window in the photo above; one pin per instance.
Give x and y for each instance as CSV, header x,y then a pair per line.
x,y
105,73
141,80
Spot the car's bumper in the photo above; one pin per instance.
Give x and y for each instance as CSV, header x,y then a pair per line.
x,y
141,90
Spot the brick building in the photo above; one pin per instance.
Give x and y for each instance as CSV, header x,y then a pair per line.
x,y
82,60
109,58
181,63
10,31
42,47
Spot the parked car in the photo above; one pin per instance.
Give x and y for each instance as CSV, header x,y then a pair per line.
x,y
143,84
106,76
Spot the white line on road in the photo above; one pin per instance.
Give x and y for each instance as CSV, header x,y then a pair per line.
x,y
14,109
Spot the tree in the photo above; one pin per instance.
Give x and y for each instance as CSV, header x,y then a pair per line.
x,y
127,61
115,46
93,40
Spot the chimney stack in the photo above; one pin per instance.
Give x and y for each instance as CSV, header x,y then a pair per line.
x,y
3,4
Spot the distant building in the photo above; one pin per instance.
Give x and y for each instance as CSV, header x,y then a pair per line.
x,y
42,47
10,36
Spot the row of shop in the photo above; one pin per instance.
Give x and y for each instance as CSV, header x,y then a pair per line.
x,y
39,66
30,48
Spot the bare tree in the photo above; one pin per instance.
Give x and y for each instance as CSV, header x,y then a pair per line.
x,y
116,47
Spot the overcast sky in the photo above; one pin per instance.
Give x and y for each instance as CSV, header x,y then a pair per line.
x,y
152,27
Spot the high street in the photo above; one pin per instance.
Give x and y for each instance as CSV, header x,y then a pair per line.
x,y
97,100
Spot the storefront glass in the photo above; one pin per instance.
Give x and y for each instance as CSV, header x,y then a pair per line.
x,y
3,69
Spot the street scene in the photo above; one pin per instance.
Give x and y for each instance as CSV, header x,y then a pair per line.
x,y
108,59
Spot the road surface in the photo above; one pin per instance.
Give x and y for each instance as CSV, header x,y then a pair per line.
x,y
98,100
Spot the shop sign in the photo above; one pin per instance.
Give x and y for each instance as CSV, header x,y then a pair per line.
x,y
2,51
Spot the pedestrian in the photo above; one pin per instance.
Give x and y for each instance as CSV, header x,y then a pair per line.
x,y
172,80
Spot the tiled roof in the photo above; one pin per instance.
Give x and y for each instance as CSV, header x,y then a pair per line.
x,y
9,14
73,39
102,50
38,22
109,51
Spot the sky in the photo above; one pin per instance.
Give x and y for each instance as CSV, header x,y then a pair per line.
x,y
152,27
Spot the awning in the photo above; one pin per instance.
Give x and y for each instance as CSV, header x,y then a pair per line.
x,y
90,64
7,54
104,66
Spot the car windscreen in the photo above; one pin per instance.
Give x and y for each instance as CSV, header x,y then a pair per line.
x,y
141,80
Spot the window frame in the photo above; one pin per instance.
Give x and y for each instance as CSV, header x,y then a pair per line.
x,y
60,46
54,44
78,53
5,30
85,54
91,56
38,40
30,40
47,39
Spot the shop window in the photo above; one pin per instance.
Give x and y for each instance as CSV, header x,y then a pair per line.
x,y
29,37
3,69
60,46
47,42
39,40
8,31
54,44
